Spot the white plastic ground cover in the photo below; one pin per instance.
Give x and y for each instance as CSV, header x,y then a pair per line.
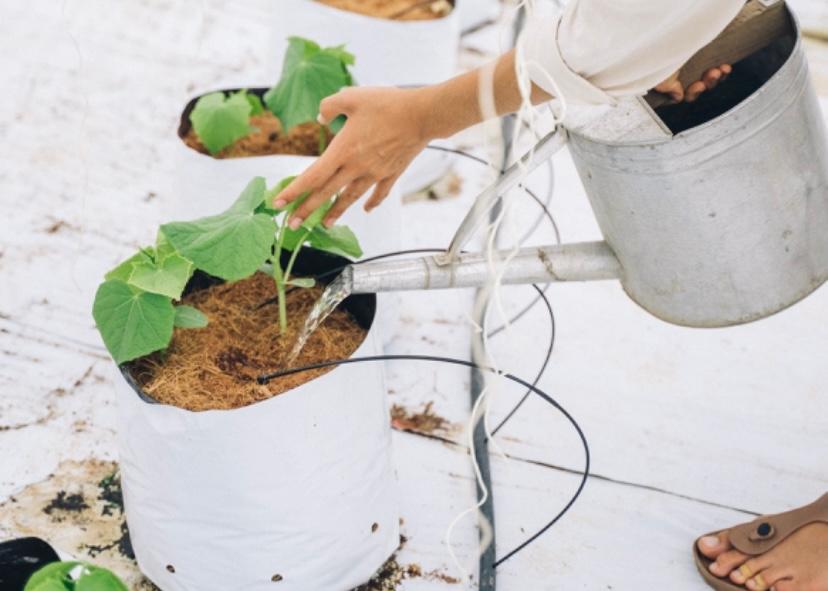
x,y
388,53
295,493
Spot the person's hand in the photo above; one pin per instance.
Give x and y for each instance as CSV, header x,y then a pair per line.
x,y
386,129
711,79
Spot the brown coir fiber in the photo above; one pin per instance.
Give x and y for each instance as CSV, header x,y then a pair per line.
x,y
267,138
404,10
216,367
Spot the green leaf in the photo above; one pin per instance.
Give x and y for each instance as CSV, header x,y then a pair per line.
x,y
99,579
189,317
51,577
256,106
50,585
132,322
304,282
231,245
309,74
338,240
168,277
124,270
219,121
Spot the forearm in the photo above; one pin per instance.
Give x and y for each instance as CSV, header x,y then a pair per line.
x,y
454,105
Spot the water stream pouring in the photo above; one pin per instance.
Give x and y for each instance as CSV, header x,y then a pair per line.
x,y
719,224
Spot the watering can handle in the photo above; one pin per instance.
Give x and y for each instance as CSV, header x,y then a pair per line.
x,y
511,177
760,23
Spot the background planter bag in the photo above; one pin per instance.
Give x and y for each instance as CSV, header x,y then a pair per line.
x,y
297,489
388,53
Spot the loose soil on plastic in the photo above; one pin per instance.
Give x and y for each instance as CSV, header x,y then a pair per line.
x,y
216,367
404,10
267,138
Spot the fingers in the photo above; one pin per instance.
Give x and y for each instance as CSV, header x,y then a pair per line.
x,y
333,106
318,197
381,191
674,88
351,193
694,91
710,80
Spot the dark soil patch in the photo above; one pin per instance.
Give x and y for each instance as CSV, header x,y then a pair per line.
x,y
268,138
66,502
404,10
216,367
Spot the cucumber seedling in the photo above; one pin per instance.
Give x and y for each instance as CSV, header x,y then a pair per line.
x,y
73,576
310,73
134,307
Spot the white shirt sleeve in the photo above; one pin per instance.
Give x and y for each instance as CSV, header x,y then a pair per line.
x,y
600,49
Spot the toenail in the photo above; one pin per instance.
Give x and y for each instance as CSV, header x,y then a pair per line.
x,y
710,541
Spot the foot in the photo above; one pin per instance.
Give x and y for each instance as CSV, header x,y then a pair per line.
x,y
800,563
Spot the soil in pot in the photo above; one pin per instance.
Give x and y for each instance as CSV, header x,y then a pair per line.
x,y
267,139
404,10
216,367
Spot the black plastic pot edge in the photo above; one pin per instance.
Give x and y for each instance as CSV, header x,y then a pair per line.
x,y
309,263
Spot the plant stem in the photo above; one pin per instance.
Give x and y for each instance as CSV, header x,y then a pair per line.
x,y
279,277
294,254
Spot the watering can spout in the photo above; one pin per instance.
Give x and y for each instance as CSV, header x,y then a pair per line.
x,y
586,261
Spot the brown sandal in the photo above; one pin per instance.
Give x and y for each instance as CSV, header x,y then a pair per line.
x,y
760,536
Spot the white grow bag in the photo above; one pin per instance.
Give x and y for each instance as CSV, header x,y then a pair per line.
x,y
388,53
294,493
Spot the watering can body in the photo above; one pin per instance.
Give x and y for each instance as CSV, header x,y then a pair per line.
x,y
723,223
726,222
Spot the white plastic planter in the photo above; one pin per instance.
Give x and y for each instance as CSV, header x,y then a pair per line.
x,y
388,53
294,493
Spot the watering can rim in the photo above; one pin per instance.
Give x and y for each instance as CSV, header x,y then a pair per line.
x,y
699,131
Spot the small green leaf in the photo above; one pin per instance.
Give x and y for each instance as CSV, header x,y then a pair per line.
x,y
256,106
55,573
124,270
219,121
304,282
168,277
231,245
309,74
132,323
99,579
50,585
338,240
189,317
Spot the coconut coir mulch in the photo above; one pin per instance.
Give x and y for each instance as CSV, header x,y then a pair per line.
x,y
268,138
216,367
404,10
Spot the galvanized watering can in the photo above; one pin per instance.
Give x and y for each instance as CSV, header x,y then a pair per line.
x,y
720,224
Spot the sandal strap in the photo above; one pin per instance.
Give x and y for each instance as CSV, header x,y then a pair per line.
x,y
765,533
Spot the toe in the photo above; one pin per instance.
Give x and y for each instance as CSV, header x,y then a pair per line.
x,y
714,546
727,563
749,569
767,579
